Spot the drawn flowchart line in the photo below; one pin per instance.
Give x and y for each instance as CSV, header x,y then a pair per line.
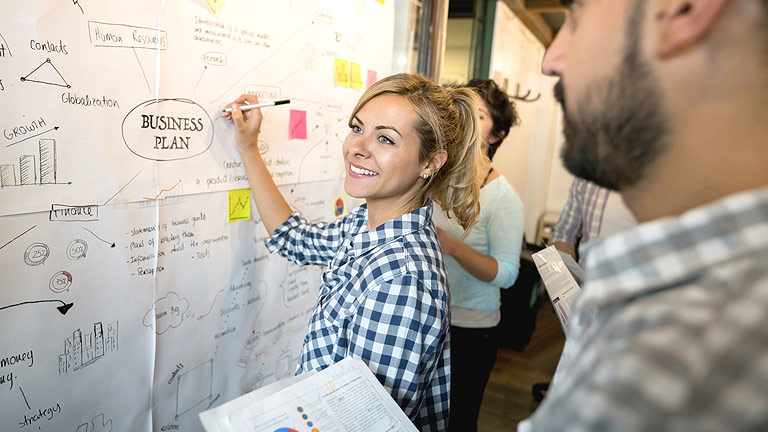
x,y
121,189
18,237
48,81
298,178
25,398
144,74
194,387
200,79
263,61
112,244
213,303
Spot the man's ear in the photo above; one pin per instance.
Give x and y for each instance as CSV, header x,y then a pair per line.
x,y
686,22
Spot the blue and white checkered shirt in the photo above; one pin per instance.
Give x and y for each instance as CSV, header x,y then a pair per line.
x,y
670,331
383,299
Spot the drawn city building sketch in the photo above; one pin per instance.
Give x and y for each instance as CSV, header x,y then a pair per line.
x,y
82,349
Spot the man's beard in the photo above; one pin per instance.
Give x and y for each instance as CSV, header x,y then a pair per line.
x,y
619,127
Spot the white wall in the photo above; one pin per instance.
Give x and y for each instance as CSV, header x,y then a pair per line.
x,y
529,157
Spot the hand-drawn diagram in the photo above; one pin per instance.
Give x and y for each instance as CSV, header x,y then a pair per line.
x,y
156,82
77,249
30,172
97,424
60,282
82,350
162,191
46,73
36,254
194,387
168,313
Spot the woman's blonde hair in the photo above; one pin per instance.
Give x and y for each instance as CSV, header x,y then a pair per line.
x,y
447,120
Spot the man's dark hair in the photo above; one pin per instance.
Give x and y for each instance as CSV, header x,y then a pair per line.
x,y
503,113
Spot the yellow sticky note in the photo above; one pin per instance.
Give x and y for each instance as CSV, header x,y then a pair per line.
x,y
355,77
381,1
239,205
215,6
341,72
340,207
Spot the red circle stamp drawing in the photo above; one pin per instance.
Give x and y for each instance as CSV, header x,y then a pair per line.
x,y
60,282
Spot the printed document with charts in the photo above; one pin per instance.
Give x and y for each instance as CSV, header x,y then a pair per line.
x,y
556,275
345,397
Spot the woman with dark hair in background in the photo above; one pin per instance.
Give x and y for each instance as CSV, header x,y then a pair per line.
x,y
482,262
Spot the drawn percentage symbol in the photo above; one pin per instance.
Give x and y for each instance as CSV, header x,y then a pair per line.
x,y
36,254
77,249
60,282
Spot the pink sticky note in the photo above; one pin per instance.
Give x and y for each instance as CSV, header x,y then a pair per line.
x,y
298,124
371,77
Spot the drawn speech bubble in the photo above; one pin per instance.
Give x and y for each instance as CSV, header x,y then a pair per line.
x,y
60,282
77,249
36,254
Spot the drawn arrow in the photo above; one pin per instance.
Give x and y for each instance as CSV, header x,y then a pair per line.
x,y
64,308
111,244
53,128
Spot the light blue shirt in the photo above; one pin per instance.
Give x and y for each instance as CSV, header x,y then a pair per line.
x,y
498,234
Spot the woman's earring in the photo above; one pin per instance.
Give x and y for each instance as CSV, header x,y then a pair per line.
x,y
425,176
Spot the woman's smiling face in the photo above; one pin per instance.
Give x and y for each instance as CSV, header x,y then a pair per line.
x,y
381,153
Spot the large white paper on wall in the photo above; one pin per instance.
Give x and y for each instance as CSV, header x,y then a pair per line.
x,y
125,96
112,136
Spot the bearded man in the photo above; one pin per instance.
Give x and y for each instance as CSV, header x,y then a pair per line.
x,y
666,102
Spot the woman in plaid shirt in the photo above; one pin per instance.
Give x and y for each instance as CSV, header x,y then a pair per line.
x,y
384,296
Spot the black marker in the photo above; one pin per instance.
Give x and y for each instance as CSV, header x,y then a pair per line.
x,y
259,105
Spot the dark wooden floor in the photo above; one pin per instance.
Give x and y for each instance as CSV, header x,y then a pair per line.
x,y
508,398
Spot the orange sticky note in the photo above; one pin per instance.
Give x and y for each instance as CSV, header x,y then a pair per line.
x,y
239,205
298,125
371,78
341,72
355,77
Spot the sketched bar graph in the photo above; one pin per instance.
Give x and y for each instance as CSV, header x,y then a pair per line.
x,y
7,175
47,161
27,171
30,173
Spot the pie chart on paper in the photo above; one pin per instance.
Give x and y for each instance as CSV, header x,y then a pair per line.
x,y
286,430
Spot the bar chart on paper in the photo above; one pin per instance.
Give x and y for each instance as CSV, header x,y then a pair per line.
x,y
33,169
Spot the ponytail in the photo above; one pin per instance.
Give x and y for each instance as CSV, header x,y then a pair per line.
x,y
447,121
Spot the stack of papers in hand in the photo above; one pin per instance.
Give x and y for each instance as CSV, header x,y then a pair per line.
x,y
345,397
561,286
